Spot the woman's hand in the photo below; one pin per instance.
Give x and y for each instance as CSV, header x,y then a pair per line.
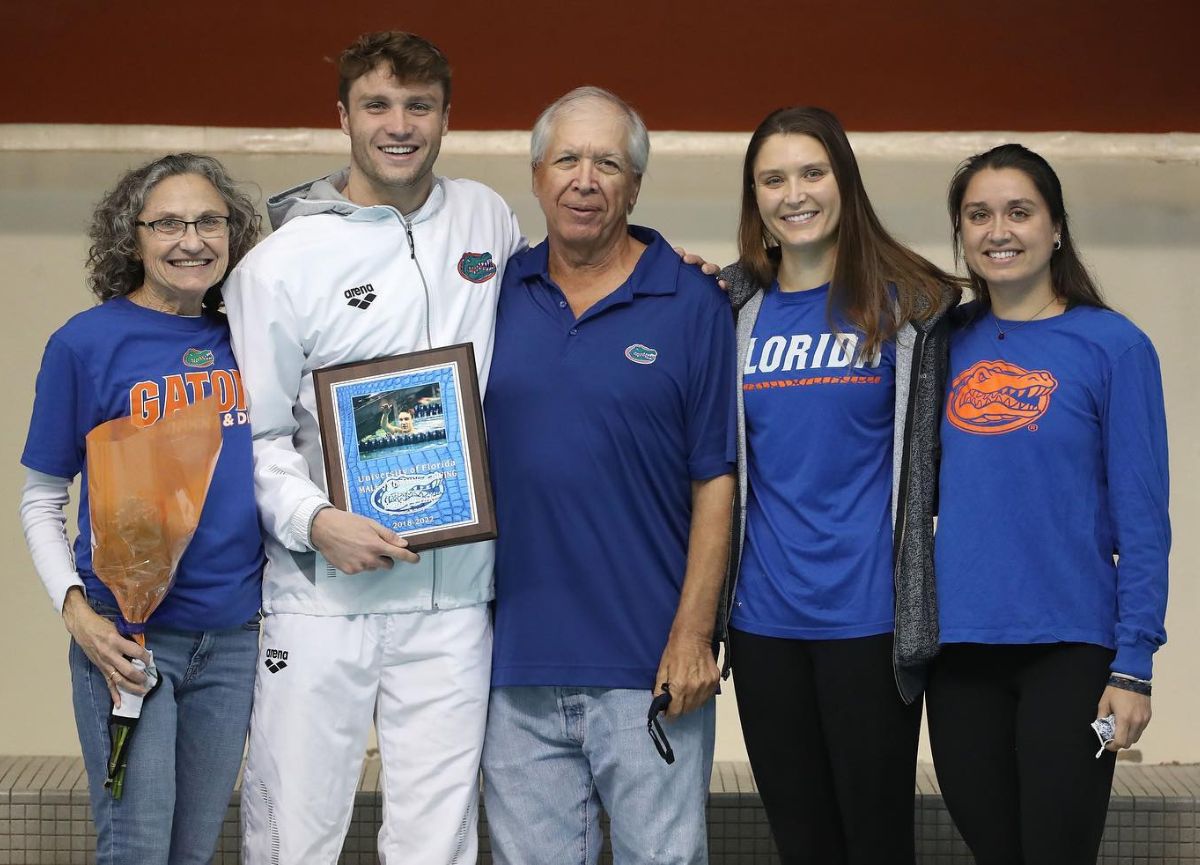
x,y
1133,715
104,646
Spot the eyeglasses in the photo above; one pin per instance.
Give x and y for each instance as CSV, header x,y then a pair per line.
x,y
657,706
173,229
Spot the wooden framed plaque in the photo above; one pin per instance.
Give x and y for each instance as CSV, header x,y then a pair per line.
x,y
404,445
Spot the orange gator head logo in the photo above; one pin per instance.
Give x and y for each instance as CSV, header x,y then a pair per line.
x,y
995,396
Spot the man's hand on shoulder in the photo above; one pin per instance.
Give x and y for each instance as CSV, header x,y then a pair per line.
x,y
690,668
353,543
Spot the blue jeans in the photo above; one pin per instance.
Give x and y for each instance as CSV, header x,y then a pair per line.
x,y
186,749
553,756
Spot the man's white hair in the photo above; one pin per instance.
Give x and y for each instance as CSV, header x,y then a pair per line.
x,y
637,142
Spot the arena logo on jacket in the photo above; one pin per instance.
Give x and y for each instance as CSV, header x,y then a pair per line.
x,y
995,396
476,267
153,399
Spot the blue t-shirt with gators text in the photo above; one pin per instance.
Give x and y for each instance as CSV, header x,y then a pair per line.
x,y
119,359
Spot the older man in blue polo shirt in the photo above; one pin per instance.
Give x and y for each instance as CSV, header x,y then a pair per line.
x,y
610,413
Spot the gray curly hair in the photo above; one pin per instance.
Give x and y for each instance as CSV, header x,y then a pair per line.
x,y
114,268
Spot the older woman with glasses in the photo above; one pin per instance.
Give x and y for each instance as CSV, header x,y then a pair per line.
x,y
163,241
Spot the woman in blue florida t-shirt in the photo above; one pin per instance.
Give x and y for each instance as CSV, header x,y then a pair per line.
x,y
842,344
163,240
1054,463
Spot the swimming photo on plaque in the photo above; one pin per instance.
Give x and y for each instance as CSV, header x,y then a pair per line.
x,y
396,421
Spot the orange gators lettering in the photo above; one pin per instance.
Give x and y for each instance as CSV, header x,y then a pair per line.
x,y
225,389
150,401
145,406
196,382
241,391
176,394
995,396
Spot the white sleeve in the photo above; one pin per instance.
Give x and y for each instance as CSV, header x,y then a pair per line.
x,y
43,517
270,354
519,242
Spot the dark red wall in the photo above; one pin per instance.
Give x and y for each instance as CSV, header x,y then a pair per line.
x,y
1090,65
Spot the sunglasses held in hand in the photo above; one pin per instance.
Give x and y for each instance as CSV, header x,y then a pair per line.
x,y
657,706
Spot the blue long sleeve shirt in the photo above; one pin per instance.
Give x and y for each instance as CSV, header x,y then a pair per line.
x,y
1053,524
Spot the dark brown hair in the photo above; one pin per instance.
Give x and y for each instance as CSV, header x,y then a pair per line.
x,y
408,56
868,258
1068,276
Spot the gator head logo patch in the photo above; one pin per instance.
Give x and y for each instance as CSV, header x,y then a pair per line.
x,y
198,358
642,354
995,396
476,266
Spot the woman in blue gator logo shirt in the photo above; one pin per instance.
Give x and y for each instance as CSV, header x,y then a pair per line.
x,y
163,240
1053,531
842,343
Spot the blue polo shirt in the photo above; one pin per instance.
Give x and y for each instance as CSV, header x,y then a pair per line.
x,y
597,427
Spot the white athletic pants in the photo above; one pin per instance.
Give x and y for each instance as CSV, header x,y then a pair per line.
x,y
424,676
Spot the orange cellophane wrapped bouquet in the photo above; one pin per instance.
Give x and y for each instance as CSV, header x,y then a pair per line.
x,y
146,489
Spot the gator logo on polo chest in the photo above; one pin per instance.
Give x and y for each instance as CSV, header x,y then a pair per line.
x,y
642,354
476,266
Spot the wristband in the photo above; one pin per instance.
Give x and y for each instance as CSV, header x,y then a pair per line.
x,y
1128,676
1127,683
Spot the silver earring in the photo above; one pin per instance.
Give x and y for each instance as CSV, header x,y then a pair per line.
x,y
1057,243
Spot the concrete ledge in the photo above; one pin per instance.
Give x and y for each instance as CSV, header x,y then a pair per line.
x,y
1153,819
81,137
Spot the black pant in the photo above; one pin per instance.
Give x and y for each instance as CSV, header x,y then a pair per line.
x,y
832,745
1015,753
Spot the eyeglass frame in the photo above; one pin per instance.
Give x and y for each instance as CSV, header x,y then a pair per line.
x,y
657,735
222,220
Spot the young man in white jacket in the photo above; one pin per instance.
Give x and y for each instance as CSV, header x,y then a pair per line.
x,y
379,259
